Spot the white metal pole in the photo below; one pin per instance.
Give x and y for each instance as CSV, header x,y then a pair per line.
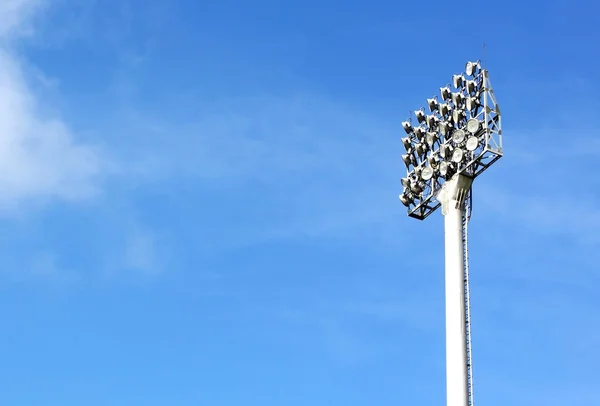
x,y
452,197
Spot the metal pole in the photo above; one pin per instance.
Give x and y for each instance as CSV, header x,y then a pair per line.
x,y
452,196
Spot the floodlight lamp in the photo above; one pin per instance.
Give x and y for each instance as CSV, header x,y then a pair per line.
x,y
458,136
471,103
457,98
420,132
421,149
434,161
472,143
471,86
431,121
433,104
458,115
405,182
445,92
458,81
405,200
471,68
443,168
457,155
420,115
444,109
407,142
407,159
445,151
473,125
427,173
407,126
445,128
431,138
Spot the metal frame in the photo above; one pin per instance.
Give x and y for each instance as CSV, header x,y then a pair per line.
x,y
488,151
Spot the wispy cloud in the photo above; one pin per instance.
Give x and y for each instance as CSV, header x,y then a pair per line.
x,y
40,157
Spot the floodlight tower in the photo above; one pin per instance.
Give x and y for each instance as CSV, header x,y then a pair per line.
x,y
449,147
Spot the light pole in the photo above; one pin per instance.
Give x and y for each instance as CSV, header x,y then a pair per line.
x,y
449,147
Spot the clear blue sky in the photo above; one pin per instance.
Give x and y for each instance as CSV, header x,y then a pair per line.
x,y
198,203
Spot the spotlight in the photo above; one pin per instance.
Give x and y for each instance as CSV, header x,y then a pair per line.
x,y
444,109
420,132
407,159
472,143
458,115
427,173
457,155
420,115
471,68
406,141
471,86
421,149
431,121
407,127
434,161
444,168
445,92
473,125
433,104
471,103
431,138
458,136
405,200
457,98
445,151
445,128
458,81
417,187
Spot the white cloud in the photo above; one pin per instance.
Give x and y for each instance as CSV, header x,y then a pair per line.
x,y
39,156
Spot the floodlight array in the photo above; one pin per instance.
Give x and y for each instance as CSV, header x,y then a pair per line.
x,y
460,132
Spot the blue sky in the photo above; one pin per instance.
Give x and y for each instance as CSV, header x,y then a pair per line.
x,y
199,203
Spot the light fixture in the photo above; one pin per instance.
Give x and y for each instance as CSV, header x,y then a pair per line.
x,y
407,159
431,121
406,141
433,104
458,81
471,86
457,155
458,136
420,115
427,173
472,143
445,151
421,149
407,127
445,92
473,125
405,200
445,127
405,182
471,68
471,103
431,138
443,168
457,98
458,115
444,109
417,187
419,132
434,160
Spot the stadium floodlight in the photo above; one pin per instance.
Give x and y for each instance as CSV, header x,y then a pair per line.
x,y
462,138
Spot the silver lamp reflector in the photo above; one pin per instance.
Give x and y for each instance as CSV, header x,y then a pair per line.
x,y
445,92
444,168
427,173
458,115
472,143
471,68
444,109
457,155
405,200
458,81
407,126
431,138
433,104
458,136
405,182
420,115
406,142
473,125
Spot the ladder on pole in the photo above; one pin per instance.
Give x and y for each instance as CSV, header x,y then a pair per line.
x,y
465,235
